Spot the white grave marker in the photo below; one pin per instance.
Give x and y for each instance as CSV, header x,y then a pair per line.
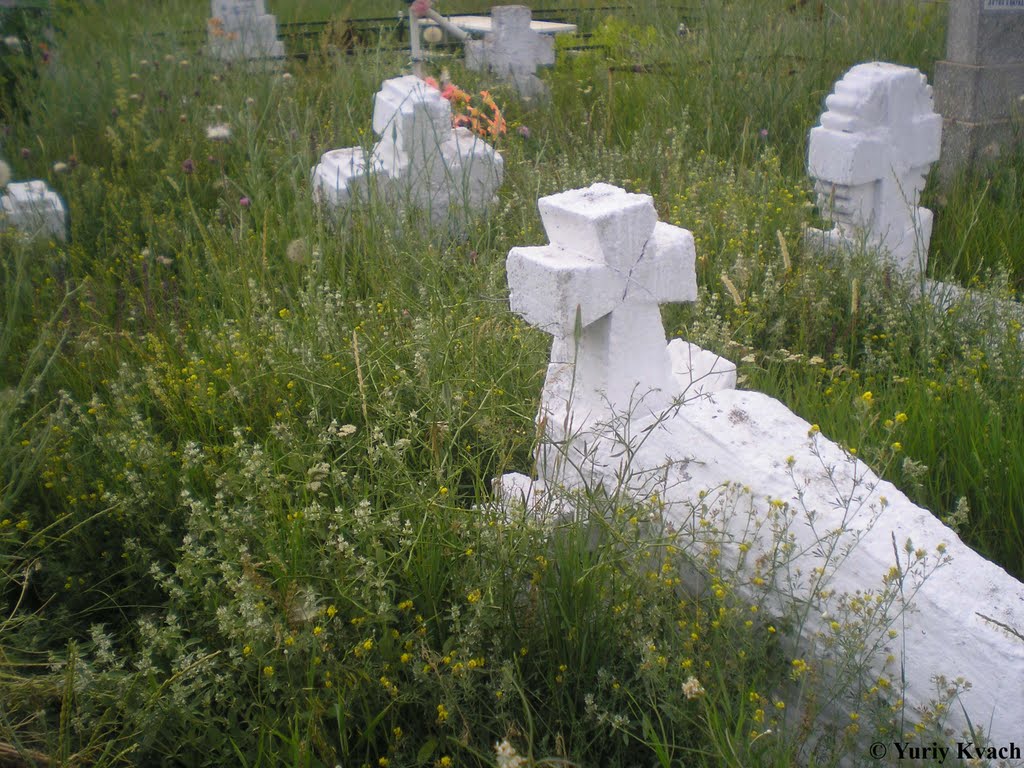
x,y
610,263
869,159
419,161
513,50
34,209
242,29
611,260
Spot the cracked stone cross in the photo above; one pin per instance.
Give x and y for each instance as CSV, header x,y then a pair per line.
x,y
610,263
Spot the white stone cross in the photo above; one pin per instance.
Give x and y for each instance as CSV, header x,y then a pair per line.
x,y
513,49
245,31
34,209
596,288
420,160
870,157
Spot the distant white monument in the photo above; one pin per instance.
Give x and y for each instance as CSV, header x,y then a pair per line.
x,y
619,418
869,159
420,161
34,209
513,50
243,30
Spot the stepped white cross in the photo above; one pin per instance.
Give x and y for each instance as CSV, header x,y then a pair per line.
x,y
870,156
610,263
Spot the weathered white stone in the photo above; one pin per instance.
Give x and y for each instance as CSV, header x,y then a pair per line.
x,y
242,29
698,371
869,158
596,289
835,512
419,160
34,209
513,50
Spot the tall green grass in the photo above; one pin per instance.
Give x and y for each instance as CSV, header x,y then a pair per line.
x,y
245,448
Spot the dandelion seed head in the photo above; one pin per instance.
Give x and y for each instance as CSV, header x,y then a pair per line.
x,y
218,132
296,251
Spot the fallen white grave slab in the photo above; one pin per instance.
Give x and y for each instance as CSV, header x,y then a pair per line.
x,y
869,159
420,161
34,209
617,416
243,30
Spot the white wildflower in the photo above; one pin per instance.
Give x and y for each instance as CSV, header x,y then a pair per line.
x,y
60,167
692,688
507,755
13,43
218,132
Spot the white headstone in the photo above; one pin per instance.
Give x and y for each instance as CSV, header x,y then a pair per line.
x,y
609,259
869,159
420,160
513,50
34,209
242,29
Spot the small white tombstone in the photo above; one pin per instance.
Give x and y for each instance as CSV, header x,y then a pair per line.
x,y
243,30
34,209
869,159
596,288
420,161
513,50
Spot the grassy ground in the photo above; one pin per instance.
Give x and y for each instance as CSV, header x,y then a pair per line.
x,y
241,449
